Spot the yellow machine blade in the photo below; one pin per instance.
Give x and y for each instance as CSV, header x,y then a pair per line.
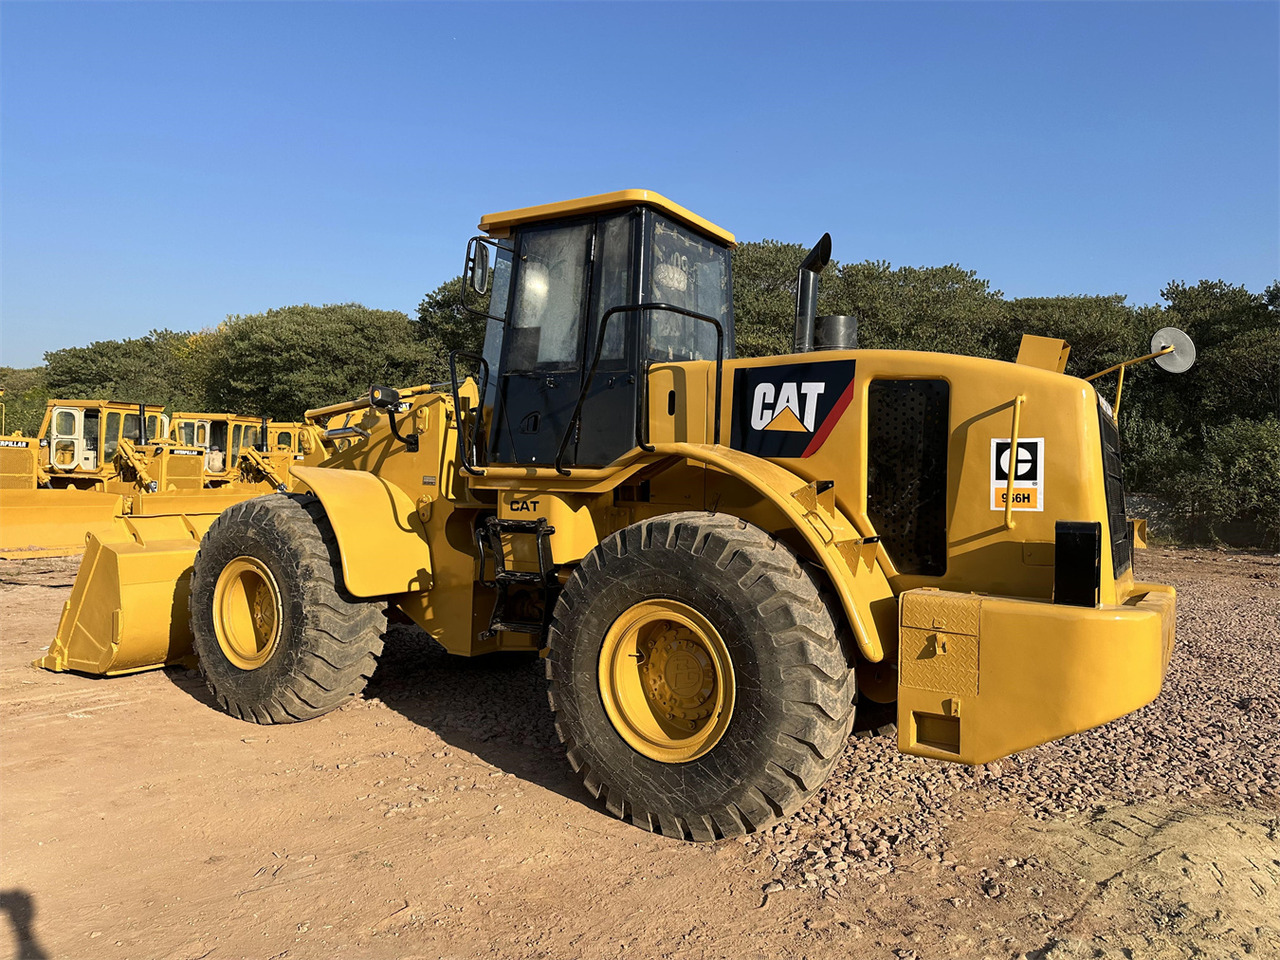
x,y
53,523
128,608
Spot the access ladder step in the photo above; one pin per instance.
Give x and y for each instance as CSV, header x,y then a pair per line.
x,y
543,581
520,576
516,626
520,526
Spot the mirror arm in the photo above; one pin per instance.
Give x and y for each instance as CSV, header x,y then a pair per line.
x,y
410,442
384,398
1129,363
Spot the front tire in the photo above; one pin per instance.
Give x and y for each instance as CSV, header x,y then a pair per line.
x,y
699,681
278,636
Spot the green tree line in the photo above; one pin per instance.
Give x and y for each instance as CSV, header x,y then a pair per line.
x,y
1207,442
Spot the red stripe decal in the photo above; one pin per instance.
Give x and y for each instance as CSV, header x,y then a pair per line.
x,y
829,424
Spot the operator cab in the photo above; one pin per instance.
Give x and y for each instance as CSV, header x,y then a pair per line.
x,y
80,441
558,272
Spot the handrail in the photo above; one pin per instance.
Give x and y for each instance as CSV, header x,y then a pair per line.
x,y
642,409
457,409
575,420
1012,469
363,403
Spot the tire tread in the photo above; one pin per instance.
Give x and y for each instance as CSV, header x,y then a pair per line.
x,y
341,635
811,645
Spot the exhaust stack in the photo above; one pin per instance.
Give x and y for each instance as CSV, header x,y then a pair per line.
x,y
807,292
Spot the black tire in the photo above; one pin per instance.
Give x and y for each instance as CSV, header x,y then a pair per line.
x,y
328,641
795,688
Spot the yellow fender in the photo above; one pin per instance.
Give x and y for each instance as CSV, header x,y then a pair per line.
x,y
380,535
844,552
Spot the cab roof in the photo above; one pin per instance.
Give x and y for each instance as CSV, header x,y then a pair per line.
x,y
105,404
500,224
187,415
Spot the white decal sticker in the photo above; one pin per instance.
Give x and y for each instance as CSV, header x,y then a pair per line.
x,y
1028,474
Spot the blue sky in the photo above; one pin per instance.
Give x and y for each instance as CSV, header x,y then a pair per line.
x,y
167,164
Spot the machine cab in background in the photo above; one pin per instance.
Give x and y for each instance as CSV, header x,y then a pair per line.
x,y
81,436
559,270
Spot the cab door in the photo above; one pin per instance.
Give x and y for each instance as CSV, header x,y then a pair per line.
x,y
566,276
542,345
66,439
91,434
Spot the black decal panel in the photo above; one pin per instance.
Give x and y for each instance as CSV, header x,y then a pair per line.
x,y
788,410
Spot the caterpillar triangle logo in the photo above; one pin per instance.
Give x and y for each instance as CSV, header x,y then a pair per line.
x,y
785,419
788,410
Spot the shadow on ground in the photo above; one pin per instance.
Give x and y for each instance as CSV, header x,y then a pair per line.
x,y
493,706
21,909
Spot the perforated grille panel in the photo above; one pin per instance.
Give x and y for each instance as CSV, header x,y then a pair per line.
x,y
1117,515
907,429
184,472
17,468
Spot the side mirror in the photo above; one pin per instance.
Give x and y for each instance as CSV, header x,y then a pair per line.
x,y
1181,357
478,277
478,266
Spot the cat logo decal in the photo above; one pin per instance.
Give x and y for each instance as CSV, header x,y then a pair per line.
x,y
789,410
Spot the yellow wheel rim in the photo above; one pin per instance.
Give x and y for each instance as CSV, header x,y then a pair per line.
x,y
247,612
666,681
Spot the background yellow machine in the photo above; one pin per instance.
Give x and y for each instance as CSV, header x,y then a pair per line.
x,y
224,437
717,557
91,464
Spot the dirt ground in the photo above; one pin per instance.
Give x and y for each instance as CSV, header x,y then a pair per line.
x,y
434,818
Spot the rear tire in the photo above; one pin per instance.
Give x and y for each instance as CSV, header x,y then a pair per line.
x,y
278,636
742,609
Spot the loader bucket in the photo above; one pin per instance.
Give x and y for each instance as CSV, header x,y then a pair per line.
x,y
128,608
54,523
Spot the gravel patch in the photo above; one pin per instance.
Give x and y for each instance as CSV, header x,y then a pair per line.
x,y
1213,733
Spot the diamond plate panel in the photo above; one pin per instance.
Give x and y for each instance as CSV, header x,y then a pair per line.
x,y
941,610
944,662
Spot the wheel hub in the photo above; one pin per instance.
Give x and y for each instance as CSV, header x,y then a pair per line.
x,y
679,675
666,680
247,612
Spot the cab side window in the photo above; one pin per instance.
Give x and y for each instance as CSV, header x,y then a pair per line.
x,y
112,438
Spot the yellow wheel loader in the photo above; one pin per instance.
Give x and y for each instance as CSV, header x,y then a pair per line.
x,y
719,559
95,462
76,444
